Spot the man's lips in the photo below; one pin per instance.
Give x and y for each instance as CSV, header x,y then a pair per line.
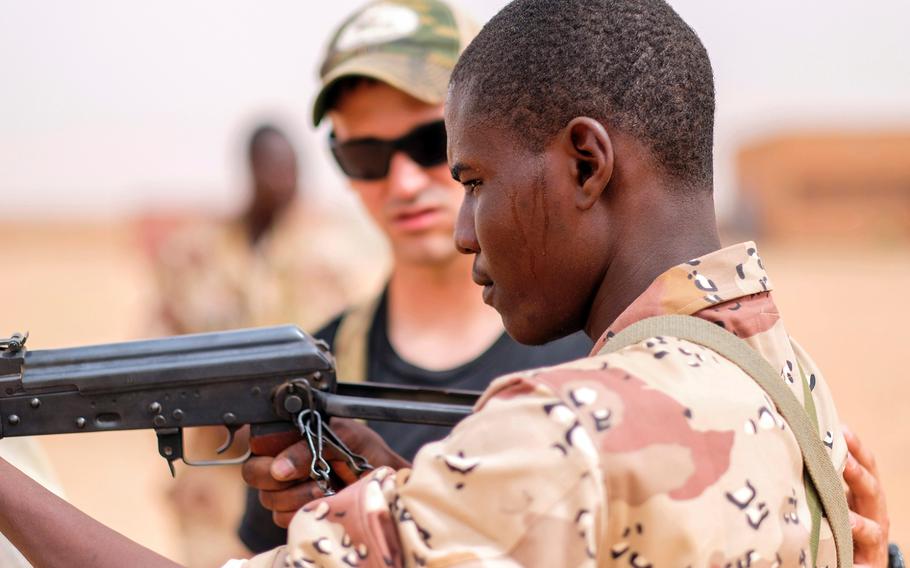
x,y
482,279
416,219
488,294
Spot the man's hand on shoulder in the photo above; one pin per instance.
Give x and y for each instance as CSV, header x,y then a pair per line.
x,y
868,509
284,482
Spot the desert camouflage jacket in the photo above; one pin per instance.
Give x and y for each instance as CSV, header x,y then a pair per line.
x,y
661,454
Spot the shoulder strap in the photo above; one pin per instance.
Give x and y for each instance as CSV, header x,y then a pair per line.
x,y
815,458
815,507
351,342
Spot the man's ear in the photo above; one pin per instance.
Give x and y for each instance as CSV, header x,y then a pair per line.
x,y
591,153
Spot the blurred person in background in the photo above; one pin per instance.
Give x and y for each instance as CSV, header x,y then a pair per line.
x,y
384,80
279,261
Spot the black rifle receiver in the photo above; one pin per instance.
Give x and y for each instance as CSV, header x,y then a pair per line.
x,y
263,377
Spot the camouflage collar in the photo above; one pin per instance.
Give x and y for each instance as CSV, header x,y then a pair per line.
x,y
722,276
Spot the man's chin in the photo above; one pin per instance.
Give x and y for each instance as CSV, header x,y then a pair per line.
x,y
534,329
427,249
528,334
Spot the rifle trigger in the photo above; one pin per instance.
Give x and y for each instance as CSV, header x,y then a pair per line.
x,y
231,430
170,446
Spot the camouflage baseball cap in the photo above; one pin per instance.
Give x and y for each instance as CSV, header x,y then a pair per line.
x,y
411,45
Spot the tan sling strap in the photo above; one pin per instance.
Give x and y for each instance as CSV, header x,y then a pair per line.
x,y
815,506
352,341
815,458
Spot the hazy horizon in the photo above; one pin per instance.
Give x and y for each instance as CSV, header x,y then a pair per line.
x,y
110,107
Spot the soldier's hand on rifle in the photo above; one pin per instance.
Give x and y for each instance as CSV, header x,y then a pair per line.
x,y
868,510
284,481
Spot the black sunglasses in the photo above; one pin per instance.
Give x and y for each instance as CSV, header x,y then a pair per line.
x,y
369,158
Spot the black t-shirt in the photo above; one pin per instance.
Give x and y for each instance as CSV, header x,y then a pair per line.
x,y
384,365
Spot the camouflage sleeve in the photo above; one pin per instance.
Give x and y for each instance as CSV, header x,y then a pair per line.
x,y
272,559
516,483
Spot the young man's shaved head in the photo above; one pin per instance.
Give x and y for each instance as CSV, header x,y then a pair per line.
x,y
633,64
582,131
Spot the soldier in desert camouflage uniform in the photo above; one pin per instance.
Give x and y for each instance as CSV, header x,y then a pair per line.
x,y
662,454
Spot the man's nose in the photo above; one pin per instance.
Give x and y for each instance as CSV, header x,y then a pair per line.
x,y
406,177
465,235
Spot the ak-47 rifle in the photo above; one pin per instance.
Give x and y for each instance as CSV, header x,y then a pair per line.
x,y
274,379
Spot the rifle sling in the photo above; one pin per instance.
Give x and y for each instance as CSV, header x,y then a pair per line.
x,y
812,498
351,344
815,458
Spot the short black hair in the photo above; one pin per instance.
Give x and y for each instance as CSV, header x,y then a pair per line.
x,y
633,64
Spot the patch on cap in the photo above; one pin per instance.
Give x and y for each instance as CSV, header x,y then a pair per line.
x,y
382,23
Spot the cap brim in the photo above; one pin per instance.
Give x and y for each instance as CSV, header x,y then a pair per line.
x,y
422,79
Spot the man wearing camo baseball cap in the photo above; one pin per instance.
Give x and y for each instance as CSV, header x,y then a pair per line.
x,y
384,80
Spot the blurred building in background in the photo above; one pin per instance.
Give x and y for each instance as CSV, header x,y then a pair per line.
x,y
806,186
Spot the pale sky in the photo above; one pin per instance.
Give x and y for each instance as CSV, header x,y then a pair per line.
x,y
111,106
